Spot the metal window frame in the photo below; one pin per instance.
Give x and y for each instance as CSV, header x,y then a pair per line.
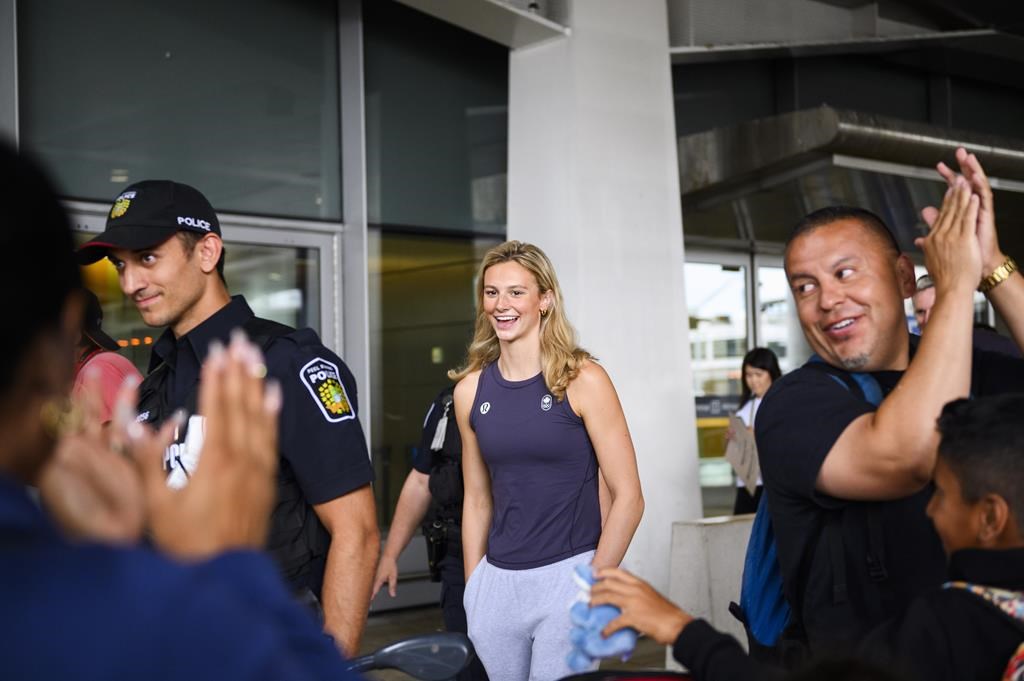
x,y
351,260
732,258
9,69
761,260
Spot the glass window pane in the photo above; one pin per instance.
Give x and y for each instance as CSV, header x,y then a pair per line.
x,y
422,311
716,299
779,329
436,123
279,282
240,102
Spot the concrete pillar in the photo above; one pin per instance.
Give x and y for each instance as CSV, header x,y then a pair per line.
x,y
593,180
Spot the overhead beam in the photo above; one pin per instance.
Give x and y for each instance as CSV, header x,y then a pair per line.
x,y
495,20
710,53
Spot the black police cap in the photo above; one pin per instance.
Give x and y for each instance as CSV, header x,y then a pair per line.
x,y
148,213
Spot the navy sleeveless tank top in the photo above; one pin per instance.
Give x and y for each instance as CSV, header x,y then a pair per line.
x,y
543,473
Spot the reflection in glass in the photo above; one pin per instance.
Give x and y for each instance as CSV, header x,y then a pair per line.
x,y
422,310
279,282
240,101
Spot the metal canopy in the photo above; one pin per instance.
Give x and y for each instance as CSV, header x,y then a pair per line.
x,y
720,157
745,186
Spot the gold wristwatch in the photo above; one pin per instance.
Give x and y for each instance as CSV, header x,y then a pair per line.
x,y
998,276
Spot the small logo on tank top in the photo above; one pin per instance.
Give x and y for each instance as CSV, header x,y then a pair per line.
x,y
545,403
485,407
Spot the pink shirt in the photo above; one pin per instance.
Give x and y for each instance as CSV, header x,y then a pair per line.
x,y
112,369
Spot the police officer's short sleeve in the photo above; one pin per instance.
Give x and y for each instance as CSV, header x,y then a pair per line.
x,y
798,423
320,435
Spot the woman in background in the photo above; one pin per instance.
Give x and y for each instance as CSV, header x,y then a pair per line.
x,y
760,370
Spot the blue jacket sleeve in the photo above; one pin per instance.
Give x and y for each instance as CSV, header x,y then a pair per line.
x,y
238,621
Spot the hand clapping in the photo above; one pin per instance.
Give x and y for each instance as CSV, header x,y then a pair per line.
x,y
108,484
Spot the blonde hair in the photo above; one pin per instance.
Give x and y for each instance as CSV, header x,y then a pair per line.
x,y
560,356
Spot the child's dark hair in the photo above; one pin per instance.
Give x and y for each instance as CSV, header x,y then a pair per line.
x,y
982,443
759,358
830,214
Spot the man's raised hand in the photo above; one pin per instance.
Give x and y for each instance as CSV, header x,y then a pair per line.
x,y
974,174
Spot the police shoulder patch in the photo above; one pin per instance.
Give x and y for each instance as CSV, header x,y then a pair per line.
x,y
323,380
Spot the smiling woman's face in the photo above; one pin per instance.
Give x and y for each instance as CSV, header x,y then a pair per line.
x,y
512,301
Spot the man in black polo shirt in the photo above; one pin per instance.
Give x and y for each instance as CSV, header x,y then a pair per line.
x,y
847,483
164,239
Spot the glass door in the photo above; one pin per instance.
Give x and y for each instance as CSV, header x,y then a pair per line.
x,y
717,301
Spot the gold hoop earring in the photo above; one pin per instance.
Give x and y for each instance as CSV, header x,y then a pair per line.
x,y
543,313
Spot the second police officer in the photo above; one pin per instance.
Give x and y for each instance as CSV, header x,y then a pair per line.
x,y
431,497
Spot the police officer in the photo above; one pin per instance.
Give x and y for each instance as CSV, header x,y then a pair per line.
x,y
432,498
165,241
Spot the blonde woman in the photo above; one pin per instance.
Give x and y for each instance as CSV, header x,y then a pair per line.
x,y
541,424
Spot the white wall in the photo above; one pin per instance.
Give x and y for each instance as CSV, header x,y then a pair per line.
x,y
593,180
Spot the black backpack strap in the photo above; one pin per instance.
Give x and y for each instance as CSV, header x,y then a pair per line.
x,y
833,536
868,513
875,558
876,546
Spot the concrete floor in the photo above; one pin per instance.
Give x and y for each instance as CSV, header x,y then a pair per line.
x,y
387,627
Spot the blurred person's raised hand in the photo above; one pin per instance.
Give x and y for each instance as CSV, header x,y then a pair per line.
x,y
228,500
89,487
643,608
952,250
974,174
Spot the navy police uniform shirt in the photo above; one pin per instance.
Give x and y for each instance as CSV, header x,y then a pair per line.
x,y
321,441
451,442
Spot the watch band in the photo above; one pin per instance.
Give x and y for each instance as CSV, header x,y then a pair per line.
x,y
998,276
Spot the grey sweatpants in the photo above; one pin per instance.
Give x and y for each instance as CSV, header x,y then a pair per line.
x,y
519,619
